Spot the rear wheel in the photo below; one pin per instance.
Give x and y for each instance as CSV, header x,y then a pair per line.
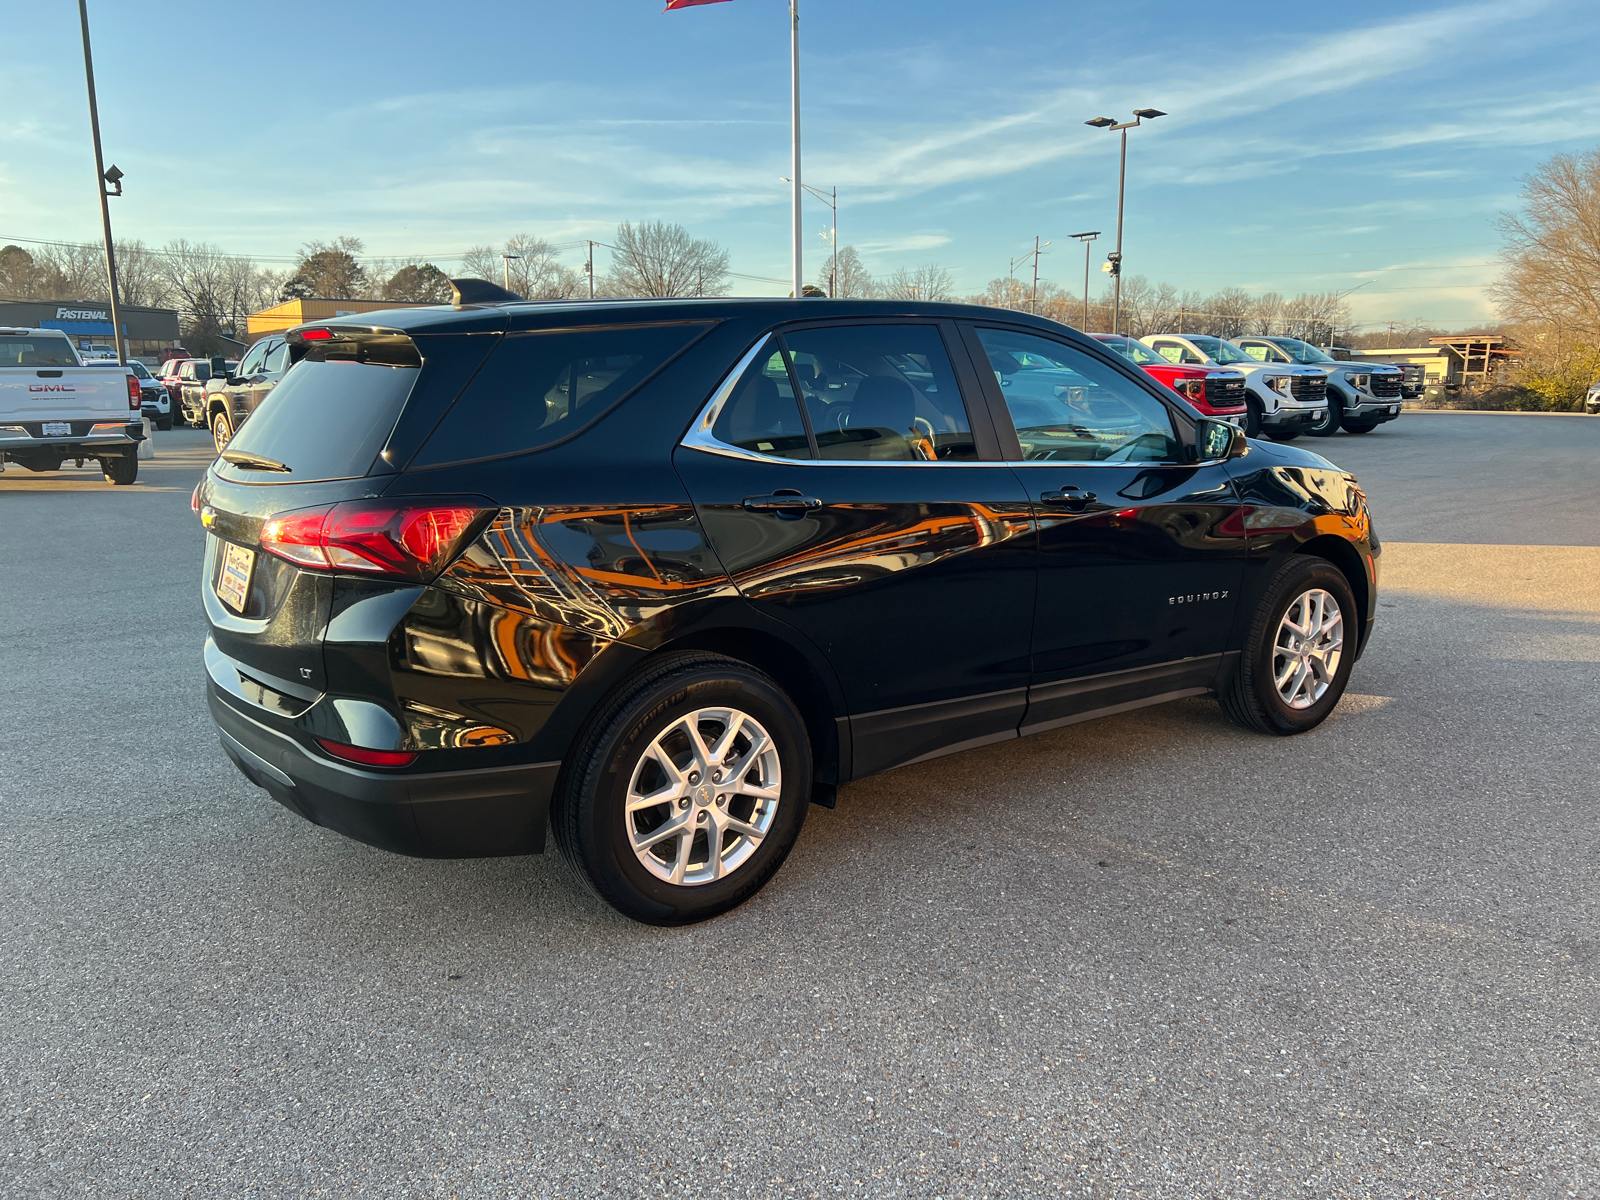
x,y
120,470
1299,651
686,791
1360,426
221,430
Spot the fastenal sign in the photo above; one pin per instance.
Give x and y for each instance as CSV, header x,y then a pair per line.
x,y
82,314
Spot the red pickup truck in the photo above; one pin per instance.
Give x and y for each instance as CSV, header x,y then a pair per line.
x,y
1215,393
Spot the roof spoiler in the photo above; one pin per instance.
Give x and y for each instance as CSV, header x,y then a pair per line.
x,y
480,291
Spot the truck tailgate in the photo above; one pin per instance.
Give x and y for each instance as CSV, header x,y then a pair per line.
x,y
63,394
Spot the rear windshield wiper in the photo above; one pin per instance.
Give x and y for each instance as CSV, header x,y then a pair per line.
x,y
254,462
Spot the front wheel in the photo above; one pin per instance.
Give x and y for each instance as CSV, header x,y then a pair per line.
x,y
1281,437
1331,420
221,431
164,424
1299,651
1360,426
1252,417
686,791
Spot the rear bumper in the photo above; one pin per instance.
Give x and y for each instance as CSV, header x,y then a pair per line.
x,y
123,442
455,814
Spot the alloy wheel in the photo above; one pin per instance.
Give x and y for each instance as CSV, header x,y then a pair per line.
x,y
703,796
220,432
1307,649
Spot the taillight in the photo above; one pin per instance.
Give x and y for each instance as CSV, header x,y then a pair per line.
x,y
368,758
194,498
316,335
135,396
406,541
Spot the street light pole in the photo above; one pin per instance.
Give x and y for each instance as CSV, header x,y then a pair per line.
x,y
102,177
505,263
1087,239
1139,116
831,199
591,270
794,121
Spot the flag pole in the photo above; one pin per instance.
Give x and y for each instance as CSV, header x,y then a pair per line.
x,y
794,121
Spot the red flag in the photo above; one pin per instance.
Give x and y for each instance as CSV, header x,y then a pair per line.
x,y
672,4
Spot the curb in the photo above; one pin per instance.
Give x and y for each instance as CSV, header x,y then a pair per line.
x,y
1485,412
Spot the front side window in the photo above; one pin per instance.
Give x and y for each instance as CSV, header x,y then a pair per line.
x,y
881,393
1263,352
1135,352
252,360
1301,352
1075,408
277,358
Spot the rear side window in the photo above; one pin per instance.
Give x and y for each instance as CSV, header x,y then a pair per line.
x,y
36,350
762,415
326,420
538,388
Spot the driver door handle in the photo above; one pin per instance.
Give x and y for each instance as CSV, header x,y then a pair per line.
x,y
1069,498
779,501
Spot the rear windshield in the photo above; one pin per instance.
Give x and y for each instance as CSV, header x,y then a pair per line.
x,y
538,388
326,420
36,350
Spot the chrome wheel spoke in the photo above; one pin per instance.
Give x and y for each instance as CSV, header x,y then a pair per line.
x,y
705,769
1308,648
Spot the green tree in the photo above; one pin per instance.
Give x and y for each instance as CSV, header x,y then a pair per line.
x,y
329,270
420,283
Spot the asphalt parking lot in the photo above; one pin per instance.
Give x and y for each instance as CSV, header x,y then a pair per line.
x,y
1149,956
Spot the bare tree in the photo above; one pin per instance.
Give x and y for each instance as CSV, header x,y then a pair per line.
x,y
537,273
854,278
1264,314
930,281
654,258
1552,248
480,262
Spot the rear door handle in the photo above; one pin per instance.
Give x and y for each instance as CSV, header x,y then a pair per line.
x,y
779,501
1070,498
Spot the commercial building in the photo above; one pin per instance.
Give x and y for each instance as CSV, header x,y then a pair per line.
x,y
148,330
295,312
1455,360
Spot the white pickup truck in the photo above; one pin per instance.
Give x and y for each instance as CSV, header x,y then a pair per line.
x,y
55,408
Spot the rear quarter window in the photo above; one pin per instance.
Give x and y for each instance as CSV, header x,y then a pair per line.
x,y
540,388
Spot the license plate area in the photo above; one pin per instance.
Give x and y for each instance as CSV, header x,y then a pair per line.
x,y
56,429
233,581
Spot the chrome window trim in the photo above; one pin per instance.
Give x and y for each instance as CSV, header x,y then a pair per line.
x,y
699,435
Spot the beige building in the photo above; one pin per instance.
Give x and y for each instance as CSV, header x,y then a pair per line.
x,y
296,312
1455,360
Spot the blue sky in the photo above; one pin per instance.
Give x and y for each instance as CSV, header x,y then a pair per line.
x,y
1309,147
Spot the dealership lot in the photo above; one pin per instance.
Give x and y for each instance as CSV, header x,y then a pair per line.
x,y
1151,955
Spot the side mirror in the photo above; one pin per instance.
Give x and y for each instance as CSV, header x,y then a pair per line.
x,y
1215,441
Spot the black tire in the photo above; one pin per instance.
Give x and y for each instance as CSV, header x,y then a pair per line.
x,y
1360,426
1281,437
1329,425
120,471
164,424
588,815
177,417
1252,417
221,430
1251,697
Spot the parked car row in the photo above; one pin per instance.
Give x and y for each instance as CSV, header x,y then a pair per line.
x,y
1278,387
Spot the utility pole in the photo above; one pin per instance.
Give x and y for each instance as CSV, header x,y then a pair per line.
x,y
103,177
1087,239
1033,302
590,269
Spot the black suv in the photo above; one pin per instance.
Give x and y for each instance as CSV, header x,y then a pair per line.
x,y
658,575
228,400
